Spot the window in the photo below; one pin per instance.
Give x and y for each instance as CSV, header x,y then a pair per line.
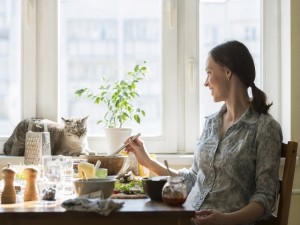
x,y
77,41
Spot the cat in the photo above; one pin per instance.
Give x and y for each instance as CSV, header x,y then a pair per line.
x,y
67,139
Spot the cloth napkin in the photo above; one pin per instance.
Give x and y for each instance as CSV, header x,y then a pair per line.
x,y
92,203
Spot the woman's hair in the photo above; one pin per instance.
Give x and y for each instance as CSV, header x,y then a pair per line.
x,y
236,57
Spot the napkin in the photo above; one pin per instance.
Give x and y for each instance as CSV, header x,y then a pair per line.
x,y
92,203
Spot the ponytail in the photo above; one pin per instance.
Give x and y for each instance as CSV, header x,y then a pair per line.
x,y
259,101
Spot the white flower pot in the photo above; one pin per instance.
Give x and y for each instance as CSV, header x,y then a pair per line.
x,y
115,138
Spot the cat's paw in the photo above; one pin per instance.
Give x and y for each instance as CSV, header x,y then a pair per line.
x,y
88,152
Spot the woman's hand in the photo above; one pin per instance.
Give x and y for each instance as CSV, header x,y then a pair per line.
x,y
138,149
209,217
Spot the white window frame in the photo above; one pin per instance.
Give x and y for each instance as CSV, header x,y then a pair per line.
x,y
40,92
47,70
29,59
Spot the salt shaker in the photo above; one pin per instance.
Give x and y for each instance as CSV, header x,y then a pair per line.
x,y
9,193
30,193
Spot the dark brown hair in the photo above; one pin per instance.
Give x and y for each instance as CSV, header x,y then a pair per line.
x,y
236,57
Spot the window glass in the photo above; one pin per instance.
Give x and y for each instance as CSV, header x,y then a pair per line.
x,y
108,38
237,19
10,65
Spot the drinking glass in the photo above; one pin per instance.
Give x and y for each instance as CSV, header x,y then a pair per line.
x,y
52,186
68,175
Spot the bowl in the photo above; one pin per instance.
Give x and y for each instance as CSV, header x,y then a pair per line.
x,y
153,187
113,164
106,185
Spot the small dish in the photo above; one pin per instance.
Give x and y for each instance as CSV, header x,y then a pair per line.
x,y
153,187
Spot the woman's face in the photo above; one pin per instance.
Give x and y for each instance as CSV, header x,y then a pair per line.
x,y
217,80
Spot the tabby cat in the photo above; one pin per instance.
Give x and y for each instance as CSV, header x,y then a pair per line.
x,y
68,138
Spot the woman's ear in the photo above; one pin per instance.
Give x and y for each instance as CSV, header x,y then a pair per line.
x,y
228,73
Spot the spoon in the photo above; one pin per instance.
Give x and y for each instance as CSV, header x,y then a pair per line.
x,y
98,163
167,165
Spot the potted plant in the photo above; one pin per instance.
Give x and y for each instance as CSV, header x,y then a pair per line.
x,y
118,97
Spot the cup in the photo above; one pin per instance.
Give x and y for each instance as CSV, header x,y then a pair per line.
x,y
68,175
101,173
52,186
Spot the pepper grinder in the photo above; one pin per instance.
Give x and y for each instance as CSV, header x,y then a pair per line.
x,y
30,193
9,193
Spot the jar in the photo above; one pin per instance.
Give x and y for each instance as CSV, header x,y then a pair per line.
x,y
174,192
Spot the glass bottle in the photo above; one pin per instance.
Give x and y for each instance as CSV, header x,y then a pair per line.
x,y
174,192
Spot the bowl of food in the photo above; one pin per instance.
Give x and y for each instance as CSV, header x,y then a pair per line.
x,y
88,186
113,164
153,187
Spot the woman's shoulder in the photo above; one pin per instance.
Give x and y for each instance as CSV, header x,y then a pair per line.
x,y
267,119
267,124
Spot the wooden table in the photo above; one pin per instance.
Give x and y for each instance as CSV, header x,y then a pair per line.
x,y
133,212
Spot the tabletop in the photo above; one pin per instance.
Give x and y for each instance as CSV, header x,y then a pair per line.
x,y
133,212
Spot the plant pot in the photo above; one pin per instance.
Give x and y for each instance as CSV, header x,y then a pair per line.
x,y
115,138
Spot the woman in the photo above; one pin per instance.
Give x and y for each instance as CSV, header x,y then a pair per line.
x,y
234,176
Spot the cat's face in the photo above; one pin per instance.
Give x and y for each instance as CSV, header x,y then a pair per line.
x,y
75,127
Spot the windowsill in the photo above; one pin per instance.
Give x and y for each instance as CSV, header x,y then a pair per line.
x,y
176,159
173,159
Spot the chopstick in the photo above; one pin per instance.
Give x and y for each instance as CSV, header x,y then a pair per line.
x,y
124,146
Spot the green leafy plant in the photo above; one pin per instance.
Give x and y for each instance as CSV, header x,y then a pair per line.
x,y
118,96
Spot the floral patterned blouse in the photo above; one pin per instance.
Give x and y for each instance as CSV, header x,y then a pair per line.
x,y
228,174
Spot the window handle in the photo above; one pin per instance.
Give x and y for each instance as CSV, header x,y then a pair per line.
x,y
191,69
171,13
28,13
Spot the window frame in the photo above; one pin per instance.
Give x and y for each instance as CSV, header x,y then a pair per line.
x,y
47,101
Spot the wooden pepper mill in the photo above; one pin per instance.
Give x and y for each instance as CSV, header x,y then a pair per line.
x,y
9,193
30,193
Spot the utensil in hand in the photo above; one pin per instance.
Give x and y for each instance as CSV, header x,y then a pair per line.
x,y
167,165
124,146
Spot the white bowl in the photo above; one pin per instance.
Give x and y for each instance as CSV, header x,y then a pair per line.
x,y
106,185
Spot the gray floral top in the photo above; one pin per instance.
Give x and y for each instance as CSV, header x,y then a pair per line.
x,y
226,175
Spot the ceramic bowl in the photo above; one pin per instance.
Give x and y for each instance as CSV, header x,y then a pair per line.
x,y
106,185
112,164
153,187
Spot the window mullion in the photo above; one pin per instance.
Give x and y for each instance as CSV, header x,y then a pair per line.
x,y
191,75
270,51
167,142
47,55
28,83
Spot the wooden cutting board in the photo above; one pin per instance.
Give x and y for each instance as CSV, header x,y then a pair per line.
x,y
125,196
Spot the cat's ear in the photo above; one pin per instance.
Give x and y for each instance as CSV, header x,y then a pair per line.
x,y
85,119
65,120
